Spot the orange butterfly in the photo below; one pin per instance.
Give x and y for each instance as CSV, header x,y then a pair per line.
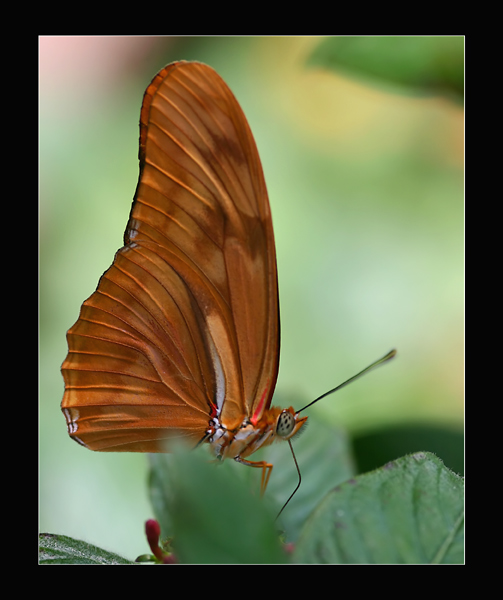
x,y
181,338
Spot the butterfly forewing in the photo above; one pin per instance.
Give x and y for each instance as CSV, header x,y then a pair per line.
x,y
185,321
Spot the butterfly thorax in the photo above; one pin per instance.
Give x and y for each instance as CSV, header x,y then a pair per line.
x,y
249,437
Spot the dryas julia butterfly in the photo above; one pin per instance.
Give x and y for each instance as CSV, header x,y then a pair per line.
x,y
180,340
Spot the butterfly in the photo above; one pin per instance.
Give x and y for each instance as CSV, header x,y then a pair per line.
x,y
180,341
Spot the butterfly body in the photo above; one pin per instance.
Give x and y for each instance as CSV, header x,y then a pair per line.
x,y
249,437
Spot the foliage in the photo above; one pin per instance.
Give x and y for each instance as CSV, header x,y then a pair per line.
x,y
414,64
61,550
408,511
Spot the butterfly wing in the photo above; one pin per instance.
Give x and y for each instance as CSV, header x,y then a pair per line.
x,y
184,324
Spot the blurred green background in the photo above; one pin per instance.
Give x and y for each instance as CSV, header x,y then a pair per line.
x,y
366,186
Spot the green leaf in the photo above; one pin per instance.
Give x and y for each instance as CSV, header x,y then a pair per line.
x,y
409,511
418,64
210,511
60,549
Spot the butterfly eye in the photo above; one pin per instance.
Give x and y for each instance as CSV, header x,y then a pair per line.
x,y
286,423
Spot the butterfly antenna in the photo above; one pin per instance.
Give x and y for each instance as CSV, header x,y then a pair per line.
x,y
298,484
375,364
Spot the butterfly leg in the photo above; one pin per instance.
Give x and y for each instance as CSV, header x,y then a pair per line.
x,y
262,464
